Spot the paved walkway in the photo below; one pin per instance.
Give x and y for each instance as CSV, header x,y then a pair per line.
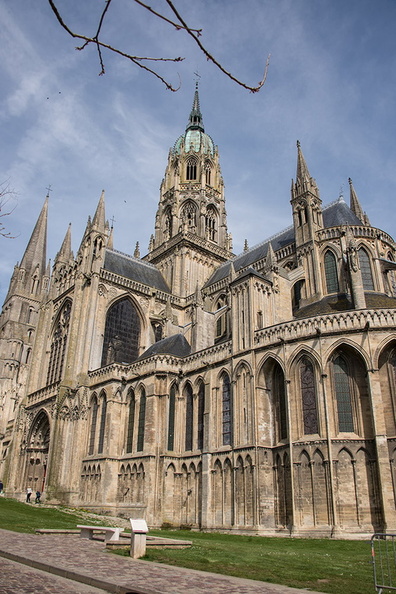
x,y
88,562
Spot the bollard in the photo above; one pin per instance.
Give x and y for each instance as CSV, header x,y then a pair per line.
x,y
138,538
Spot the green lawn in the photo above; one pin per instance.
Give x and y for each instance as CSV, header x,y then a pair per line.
x,y
24,517
333,566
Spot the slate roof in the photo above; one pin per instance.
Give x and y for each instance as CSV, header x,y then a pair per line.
x,y
173,345
135,269
335,303
338,213
335,214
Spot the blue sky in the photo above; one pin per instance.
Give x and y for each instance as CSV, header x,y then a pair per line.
x,y
331,85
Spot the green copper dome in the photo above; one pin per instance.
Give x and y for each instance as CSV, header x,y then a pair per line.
x,y
194,138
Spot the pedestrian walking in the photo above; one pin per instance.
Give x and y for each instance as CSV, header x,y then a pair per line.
x,y
29,492
38,495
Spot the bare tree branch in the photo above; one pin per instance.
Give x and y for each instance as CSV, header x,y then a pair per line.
x,y
6,194
215,62
139,61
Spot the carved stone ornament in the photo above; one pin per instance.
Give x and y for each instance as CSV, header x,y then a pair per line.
x,y
102,290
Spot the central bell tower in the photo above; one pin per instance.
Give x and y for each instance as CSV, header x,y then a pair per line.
x,y
191,237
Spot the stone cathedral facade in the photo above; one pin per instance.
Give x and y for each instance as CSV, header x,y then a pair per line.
x,y
195,387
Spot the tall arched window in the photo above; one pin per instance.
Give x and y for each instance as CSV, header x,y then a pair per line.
x,y
131,422
365,268
227,425
343,395
210,224
122,334
221,324
102,427
308,397
171,418
142,421
208,172
189,417
280,401
331,272
201,412
58,345
191,169
94,420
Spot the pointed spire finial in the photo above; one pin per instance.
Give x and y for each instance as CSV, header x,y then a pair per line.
x,y
195,122
99,217
36,250
354,204
65,252
302,169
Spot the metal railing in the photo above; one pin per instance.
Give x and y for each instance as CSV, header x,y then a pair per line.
x,y
383,554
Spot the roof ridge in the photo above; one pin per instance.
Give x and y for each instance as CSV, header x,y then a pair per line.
x,y
148,264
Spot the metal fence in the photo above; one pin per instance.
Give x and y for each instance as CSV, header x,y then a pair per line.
x,y
383,554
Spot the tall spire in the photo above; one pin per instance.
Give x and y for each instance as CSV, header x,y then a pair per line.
x,y
36,250
355,205
195,121
65,253
302,169
98,221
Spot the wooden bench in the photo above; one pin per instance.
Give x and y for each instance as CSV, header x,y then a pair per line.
x,y
111,533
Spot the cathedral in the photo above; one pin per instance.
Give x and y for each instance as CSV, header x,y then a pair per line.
x,y
192,387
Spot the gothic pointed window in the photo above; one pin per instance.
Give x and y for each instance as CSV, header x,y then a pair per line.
x,y
208,169
142,421
102,427
343,394
189,417
122,334
189,215
94,420
191,169
171,418
280,401
331,272
221,322
365,268
308,397
58,345
131,422
227,424
201,411
210,224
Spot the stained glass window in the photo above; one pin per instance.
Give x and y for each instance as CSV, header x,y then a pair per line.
x,y
122,334
142,421
308,396
189,417
343,395
102,424
280,398
365,268
331,272
171,418
94,418
227,410
201,410
131,422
